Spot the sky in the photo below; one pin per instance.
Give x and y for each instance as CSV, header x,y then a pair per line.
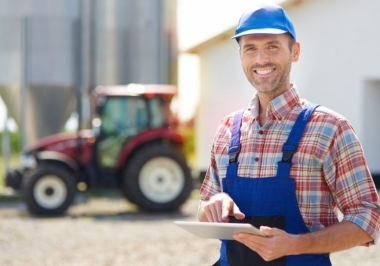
x,y
197,21
201,19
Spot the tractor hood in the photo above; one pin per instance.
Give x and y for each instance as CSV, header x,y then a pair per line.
x,y
61,142
74,147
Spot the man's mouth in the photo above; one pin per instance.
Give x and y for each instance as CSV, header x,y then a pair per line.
x,y
264,72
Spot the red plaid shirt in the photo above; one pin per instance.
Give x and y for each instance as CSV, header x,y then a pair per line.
x,y
329,167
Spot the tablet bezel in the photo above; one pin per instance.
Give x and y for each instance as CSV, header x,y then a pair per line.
x,y
218,230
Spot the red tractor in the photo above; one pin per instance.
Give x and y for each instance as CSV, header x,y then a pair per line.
x,y
133,145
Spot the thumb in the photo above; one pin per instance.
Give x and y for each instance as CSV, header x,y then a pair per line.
x,y
237,213
269,231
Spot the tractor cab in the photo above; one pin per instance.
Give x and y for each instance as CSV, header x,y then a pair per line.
x,y
123,112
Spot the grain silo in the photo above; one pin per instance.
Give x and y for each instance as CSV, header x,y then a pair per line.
x,y
53,53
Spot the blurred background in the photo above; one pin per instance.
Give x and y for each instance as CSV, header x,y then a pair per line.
x,y
54,53
57,52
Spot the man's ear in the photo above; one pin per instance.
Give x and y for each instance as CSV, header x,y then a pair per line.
x,y
296,51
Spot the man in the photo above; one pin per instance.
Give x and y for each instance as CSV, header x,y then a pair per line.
x,y
287,178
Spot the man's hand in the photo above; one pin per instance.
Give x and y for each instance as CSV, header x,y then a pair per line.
x,y
337,237
276,245
218,208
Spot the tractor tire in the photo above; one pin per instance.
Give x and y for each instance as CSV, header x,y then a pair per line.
x,y
48,190
157,179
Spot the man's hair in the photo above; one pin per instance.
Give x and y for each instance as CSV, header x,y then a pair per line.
x,y
291,42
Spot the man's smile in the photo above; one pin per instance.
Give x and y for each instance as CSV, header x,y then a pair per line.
x,y
264,72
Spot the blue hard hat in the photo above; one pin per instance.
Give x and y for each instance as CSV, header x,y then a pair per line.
x,y
266,19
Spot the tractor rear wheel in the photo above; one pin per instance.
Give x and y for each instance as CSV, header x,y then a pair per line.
x,y
157,178
48,189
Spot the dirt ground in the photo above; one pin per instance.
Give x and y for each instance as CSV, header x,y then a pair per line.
x,y
105,230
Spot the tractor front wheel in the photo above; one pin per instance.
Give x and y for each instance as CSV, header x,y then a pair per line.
x,y
48,189
157,179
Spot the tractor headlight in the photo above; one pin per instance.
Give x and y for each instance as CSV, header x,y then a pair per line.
x,y
28,161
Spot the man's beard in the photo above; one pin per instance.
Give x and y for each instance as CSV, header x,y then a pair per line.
x,y
273,85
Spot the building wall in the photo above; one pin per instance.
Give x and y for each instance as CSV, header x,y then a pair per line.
x,y
339,67
224,89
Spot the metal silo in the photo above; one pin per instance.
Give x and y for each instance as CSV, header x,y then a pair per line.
x,y
56,52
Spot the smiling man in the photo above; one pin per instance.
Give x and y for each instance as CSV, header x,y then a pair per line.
x,y
284,164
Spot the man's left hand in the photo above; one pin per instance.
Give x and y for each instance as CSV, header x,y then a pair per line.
x,y
276,245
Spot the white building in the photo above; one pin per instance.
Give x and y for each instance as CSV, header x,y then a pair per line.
x,y
339,68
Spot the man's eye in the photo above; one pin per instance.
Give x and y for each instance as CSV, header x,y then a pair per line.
x,y
272,47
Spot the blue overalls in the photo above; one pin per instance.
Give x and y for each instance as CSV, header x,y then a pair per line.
x,y
267,201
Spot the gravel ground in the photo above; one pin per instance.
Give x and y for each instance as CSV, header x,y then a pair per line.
x,y
106,230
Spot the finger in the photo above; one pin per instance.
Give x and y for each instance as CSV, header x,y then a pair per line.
x,y
237,213
270,231
264,246
226,209
211,213
251,241
219,210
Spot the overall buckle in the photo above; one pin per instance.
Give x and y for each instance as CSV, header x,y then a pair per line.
x,y
288,150
233,152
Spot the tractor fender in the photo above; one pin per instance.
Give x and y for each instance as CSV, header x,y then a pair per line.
x,y
59,157
152,135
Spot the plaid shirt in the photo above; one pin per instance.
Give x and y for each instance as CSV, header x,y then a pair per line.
x,y
329,167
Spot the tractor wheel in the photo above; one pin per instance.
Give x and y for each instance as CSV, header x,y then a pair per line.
x,y
48,190
157,179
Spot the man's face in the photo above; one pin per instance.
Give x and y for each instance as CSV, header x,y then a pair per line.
x,y
266,60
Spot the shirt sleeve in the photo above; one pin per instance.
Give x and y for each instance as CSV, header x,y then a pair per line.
x,y
350,180
211,183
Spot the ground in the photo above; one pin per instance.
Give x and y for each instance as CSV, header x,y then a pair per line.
x,y
105,230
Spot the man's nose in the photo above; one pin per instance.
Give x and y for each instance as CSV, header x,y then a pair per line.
x,y
261,56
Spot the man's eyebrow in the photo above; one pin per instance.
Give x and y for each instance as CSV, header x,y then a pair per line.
x,y
267,43
248,45
273,42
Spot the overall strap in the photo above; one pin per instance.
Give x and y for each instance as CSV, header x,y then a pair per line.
x,y
290,146
234,148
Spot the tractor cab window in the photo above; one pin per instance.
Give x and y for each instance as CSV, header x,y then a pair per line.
x,y
158,116
121,118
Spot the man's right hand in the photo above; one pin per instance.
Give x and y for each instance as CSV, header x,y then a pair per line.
x,y
218,208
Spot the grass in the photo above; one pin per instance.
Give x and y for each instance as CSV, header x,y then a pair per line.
x,y
9,198
13,162
5,196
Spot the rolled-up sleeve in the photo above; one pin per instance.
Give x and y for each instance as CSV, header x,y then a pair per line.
x,y
351,182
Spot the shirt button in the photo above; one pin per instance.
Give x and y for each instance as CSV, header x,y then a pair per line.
x,y
256,159
261,132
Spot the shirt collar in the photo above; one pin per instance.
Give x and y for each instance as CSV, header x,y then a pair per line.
x,y
280,106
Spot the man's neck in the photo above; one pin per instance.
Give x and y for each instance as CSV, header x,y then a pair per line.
x,y
264,100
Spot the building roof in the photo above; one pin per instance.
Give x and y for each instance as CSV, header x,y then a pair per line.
x,y
227,34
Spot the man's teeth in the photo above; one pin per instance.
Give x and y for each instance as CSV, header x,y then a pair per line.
x,y
263,72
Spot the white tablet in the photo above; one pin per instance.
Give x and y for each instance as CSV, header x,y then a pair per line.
x,y
218,230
